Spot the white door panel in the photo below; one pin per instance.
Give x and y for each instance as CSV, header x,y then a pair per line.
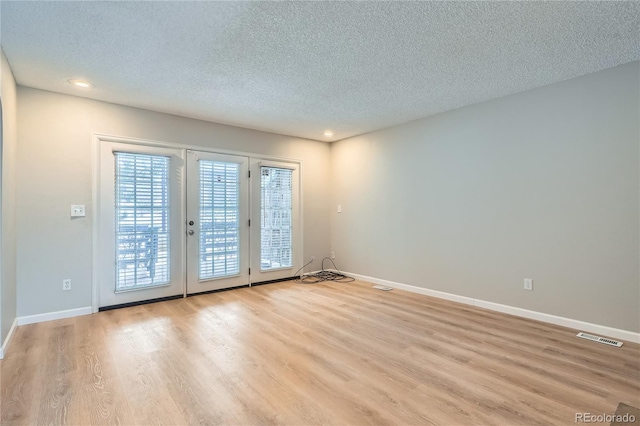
x,y
276,249
217,221
141,232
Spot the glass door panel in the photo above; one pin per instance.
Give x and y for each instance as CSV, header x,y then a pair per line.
x,y
277,253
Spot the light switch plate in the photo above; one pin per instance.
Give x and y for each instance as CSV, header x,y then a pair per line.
x,y
528,284
77,210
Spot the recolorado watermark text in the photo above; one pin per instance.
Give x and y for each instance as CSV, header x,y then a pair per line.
x,y
604,418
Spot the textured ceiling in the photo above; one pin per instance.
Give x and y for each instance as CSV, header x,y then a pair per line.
x,y
299,68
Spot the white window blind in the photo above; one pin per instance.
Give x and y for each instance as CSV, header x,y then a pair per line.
x,y
276,185
219,219
141,220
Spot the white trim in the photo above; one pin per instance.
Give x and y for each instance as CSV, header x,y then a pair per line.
x,y
95,216
578,325
101,137
185,210
5,344
617,333
50,316
276,164
420,290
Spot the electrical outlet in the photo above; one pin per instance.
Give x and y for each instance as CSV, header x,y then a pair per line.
x,y
528,284
333,254
66,285
339,208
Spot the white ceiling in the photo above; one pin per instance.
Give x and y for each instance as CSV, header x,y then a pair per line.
x,y
299,68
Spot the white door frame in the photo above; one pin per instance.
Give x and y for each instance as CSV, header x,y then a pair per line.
x,y
98,138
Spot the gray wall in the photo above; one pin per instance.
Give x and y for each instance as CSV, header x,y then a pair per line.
x,y
8,199
543,184
54,171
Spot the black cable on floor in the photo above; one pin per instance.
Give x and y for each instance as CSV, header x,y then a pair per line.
x,y
323,275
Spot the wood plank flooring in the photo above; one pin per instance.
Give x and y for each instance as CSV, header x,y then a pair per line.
x,y
301,354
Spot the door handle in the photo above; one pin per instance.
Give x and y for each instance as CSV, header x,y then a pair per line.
x,y
191,232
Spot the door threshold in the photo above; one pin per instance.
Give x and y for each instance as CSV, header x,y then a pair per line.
x,y
142,302
217,290
279,280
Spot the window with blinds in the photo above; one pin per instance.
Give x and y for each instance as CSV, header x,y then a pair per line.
x,y
276,186
219,219
141,220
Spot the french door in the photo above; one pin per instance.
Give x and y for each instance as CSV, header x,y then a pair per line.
x,y
175,222
217,221
141,224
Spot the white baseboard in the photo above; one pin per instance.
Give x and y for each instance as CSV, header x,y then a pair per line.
x,y
603,330
50,316
7,340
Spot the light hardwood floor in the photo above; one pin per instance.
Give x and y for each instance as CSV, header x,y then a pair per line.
x,y
310,354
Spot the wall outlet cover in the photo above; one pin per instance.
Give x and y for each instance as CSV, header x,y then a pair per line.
x,y
77,210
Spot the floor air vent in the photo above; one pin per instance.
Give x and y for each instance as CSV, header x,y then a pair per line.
x,y
599,339
383,288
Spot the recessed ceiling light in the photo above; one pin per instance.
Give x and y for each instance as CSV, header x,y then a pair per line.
x,y
81,83
328,133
